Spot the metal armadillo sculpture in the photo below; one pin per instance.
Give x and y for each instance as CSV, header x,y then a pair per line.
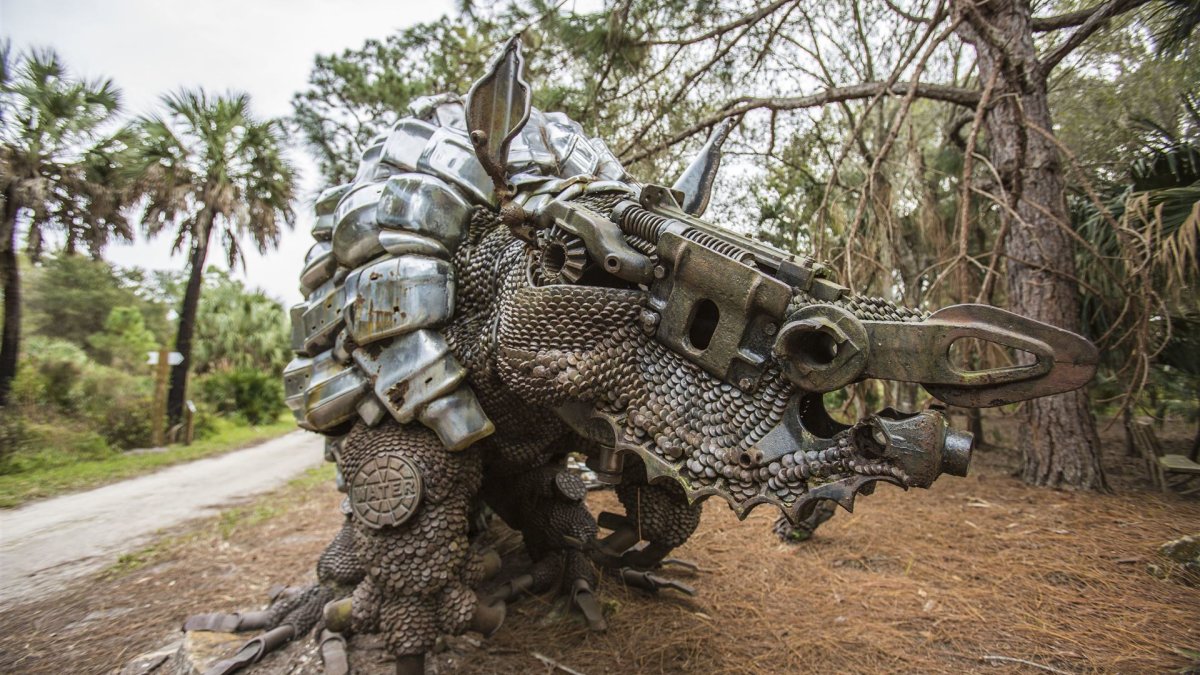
x,y
492,292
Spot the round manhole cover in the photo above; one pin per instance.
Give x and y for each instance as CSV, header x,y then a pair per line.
x,y
386,491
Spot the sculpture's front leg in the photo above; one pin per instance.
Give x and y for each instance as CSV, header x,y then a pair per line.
x,y
411,502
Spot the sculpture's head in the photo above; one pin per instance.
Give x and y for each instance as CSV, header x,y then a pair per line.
x,y
707,354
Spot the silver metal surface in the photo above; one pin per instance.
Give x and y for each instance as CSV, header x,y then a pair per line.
x,y
425,205
457,419
296,376
332,393
399,295
356,235
371,410
369,168
319,266
412,370
443,110
449,155
325,205
575,155
406,142
398,242
528,151
325,315
297,315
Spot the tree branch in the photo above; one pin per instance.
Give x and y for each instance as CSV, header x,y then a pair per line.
x,y
1098,19
1043,24
721,30
968,98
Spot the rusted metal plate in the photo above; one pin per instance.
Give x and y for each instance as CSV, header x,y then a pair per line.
x,y
497,107
1059,360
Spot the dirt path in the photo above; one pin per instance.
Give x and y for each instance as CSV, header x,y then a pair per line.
x,y
45,544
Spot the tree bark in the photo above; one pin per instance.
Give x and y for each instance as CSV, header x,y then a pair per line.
x,y
177,394
1058,435
10,339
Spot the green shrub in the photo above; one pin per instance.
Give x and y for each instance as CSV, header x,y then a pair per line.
x,y
250,394
14,438
49,373
117,405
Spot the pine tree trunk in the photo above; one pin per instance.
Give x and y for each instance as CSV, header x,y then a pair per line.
x,y
10,278
177,394
1058,434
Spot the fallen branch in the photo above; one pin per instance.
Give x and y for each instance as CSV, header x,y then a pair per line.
x,y
554,664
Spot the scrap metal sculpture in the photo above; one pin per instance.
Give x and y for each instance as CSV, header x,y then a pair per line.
x,y
492,292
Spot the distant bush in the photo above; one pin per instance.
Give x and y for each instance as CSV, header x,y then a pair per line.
x,y
59,385
49,373
13,439
117,404
251,394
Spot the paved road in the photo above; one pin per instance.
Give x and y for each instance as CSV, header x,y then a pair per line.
x,y
45,544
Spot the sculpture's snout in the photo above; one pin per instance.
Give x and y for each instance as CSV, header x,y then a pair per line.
x,y
922,444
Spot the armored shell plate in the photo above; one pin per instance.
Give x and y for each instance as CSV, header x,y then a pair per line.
x,y
425,205
319,266
369,168
399,295
449,156
326,204
406,143
356,235
398,242
333,393
411,371
386,491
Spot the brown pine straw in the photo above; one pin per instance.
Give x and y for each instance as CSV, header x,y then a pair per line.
x,y
926,581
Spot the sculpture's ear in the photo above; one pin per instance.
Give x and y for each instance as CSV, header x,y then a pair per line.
x,y
497,108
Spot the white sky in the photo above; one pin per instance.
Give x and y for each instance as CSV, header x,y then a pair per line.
x,y
263,47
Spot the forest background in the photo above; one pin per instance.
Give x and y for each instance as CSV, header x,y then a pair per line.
x,y
1044,158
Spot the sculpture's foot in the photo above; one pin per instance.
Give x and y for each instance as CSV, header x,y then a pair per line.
x,y
804,530
291,614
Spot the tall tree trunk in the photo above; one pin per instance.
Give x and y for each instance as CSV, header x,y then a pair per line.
x,y
177,394
1058,434
10,340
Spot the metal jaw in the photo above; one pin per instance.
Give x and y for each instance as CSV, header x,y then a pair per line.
x,y
825,347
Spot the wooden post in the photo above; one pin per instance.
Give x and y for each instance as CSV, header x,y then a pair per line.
x,y
161,372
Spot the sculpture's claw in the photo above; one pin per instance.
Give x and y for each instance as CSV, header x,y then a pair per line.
x,y
253,650
651,582
584,600
510,590
333,653
293,612
686,565
220,622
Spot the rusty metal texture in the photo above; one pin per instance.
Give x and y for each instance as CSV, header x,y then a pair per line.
x,y
498,106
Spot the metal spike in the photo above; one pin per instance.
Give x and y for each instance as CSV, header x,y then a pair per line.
x,y
497,108
697,180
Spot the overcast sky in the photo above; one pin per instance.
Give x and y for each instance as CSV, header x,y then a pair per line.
x,y
263,47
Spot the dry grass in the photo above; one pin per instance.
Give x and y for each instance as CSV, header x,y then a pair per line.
x,y
924,581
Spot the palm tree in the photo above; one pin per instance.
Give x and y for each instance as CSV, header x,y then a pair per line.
x,y
209,166
49,124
